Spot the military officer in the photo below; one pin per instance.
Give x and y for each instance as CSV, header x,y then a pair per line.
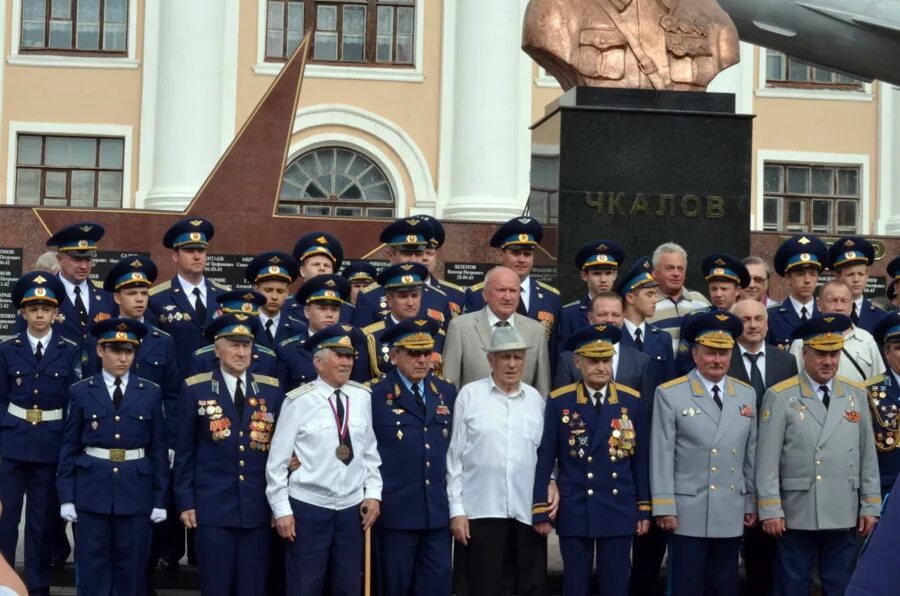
x,y
319,253
406,239
224,432
850,258
411,414
599,263
817,469
403,292
360,274
726,277
884,402
185,305
37,366
799,259
271,274
702,457
245,303
113,468
456,295
597,435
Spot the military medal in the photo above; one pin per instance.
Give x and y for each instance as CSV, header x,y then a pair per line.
x,y
342,452
399,435
94,425
446,433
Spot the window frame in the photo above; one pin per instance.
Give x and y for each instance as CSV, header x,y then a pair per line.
x,y
775,89
807,199
810,82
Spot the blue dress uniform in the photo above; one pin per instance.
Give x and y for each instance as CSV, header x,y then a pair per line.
x,y
34,395
884,404
856,250
113,467
220,464
309,245
877,572
412,534
599,254
797,252
456,295
603,457
281,267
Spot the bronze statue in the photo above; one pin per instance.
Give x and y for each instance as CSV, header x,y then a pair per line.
x,y
676,45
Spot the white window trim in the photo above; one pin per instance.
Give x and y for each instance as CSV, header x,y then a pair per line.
x,y
763,90
322,71
55,128
544,80
68,61
859,160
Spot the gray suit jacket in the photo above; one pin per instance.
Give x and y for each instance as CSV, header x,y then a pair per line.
x,y
816,468
465,361
701,458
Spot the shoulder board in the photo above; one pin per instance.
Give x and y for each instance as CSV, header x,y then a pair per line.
x,y
82,381
431,288
562,390
204,349
360,386
452,285
372,286
373,327
97,284
856,384
148,381
68,341
674,382
786,384
266,380
289,341
477,287
263,349
216,284
573,303
876,380
158,330
548,287
202,377
301,390
628,390
740,382
161,287
441,332
13,338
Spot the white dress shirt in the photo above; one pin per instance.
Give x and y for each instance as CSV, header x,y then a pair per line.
x,y
896,377
493,451
45,341
760,362
815,385
494,319
110,381
631,327
798,306
231,382
307,426
70,292
264,318
188,288
709,385
858,302
525,292
861,346
591,391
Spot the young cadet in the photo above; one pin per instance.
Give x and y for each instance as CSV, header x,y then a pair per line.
x,y
271,274
113,467
800,259
406,240
456,295
321,298
884,402
319,253
893,273
37,366
224,432
850,258
597,435
726,277
403,291
412,413
599,263
245,303
360,274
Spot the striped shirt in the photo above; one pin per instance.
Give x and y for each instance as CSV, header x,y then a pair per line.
x,y
670,312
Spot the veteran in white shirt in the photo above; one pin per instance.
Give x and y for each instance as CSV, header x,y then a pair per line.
x,y
497,427
323,508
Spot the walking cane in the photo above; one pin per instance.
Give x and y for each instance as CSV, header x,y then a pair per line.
x,y
367,567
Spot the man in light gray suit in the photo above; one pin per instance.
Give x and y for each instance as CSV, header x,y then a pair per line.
x,y
464,361
703,445
817,469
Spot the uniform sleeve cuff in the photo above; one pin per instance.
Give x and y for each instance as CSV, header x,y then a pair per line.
x,y
663,505
282,509
456,509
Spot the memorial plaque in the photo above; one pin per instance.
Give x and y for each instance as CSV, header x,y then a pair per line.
x,y
876,286
469,274
10,271
229,270
106,259
379,265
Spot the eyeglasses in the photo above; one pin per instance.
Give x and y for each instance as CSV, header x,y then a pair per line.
x,y
419,353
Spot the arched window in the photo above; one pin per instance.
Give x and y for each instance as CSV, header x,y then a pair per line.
x,y
335,182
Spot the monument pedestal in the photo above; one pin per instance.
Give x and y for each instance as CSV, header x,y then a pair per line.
x,y
645,167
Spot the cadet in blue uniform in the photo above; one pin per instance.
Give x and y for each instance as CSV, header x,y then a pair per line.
x,y
877,572
406,239
456,295
319,253
271,274
186,304
850,258
113,468
893,274
599,263
403,291
360,274
597,434
411,414
884,402
321,298
245,303
800,259
37,366
224,431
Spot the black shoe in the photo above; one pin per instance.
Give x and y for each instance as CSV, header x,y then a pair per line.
x,y
168,564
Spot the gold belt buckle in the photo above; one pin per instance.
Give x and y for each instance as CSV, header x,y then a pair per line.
x,y
116,455
34,416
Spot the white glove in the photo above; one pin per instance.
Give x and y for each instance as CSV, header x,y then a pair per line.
x,y
67,512
158,515
171,458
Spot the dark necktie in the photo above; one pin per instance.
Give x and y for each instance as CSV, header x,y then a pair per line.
x,y
716,397
199,307
79,306
418,395
239,399
854,315
521,307
269,324
118,396
756,378
502,323
39,352
340,414
598,401
804,315
826,399
638,340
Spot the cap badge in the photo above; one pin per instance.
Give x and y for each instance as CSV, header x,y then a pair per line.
x,y
722,318
39,279
803,240
85,228
196,222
